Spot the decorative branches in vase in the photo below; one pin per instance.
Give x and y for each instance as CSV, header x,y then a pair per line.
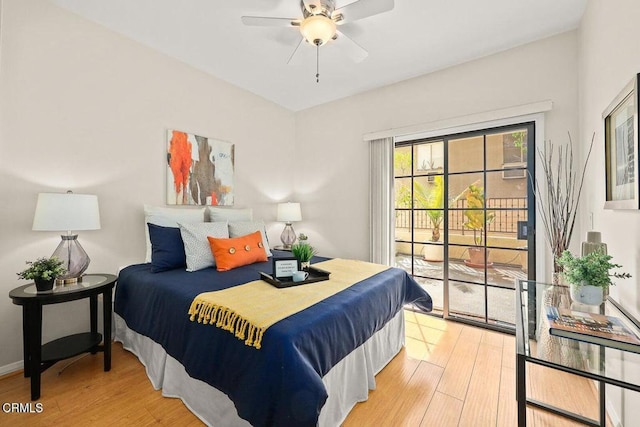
x,y
557,200
558,196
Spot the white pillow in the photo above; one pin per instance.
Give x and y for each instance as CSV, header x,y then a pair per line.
x,y
215,214
242,228
196,246
168,217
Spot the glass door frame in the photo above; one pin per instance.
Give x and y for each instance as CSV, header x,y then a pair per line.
x,y
530,126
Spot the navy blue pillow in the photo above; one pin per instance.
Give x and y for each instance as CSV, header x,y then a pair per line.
x,y
167,248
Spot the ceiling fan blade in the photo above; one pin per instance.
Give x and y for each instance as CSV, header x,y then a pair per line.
x,y
293,59
353,50
361,9
265,21
312,6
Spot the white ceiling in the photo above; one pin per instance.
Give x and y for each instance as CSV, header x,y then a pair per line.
x,y
415,38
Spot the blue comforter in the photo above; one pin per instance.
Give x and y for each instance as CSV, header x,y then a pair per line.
x,y
280,384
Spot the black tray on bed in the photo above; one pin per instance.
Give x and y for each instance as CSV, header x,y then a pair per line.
x,y
315,275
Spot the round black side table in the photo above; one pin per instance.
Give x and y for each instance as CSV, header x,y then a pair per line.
x,y
38,357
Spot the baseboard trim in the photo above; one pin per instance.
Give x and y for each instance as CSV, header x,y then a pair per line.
x,y
11,368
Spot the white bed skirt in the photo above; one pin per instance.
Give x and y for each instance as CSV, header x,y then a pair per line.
x,y
347,383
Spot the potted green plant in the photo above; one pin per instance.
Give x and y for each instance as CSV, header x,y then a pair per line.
x,y
477,218
432,199
43,271
303,252
589,276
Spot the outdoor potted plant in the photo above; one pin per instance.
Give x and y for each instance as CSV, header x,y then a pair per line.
x,y
477,218
43,271
432,199
303,252
589,276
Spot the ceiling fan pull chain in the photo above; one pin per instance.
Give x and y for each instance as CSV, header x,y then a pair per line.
x,y
317,62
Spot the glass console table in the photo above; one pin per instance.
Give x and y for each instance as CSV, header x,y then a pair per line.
x,y
534,345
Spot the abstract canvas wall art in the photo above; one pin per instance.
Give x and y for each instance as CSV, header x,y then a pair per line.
x,y
199,170
621,148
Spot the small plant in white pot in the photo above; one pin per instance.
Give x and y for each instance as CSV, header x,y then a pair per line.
x,y
589,275
303,252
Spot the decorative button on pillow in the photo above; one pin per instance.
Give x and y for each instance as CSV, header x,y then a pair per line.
x,y
237,251
242,228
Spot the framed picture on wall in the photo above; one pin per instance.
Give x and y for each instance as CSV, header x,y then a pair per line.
x,y
199,170
621,149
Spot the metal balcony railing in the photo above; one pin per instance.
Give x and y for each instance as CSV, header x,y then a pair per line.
x,y
507,211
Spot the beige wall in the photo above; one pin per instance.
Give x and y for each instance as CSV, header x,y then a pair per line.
x,y
82,108
609,46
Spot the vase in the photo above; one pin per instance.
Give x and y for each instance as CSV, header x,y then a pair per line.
x,y
304,265
593,243
558,295
43,285
587,294
549,347
433,253
477,258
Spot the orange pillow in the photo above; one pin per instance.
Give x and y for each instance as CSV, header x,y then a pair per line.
x,y
237,251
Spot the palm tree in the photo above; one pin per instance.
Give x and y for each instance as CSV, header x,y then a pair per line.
x,y
432,199
478,218
475,213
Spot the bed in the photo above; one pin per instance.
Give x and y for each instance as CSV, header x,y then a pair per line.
x,y
312,367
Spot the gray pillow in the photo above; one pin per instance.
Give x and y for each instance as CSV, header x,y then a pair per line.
x,y
196,246
215,214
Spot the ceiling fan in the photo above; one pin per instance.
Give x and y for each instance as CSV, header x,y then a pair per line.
x,y
319,22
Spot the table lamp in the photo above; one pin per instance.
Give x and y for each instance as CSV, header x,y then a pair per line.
x,y
288,213
68,212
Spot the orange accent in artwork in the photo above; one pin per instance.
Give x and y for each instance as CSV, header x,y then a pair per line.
x,y
180,161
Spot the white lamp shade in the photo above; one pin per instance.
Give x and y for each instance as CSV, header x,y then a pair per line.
x,y
289,212
66,212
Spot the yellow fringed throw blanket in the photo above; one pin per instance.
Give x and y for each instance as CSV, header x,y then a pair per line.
x,y
248,310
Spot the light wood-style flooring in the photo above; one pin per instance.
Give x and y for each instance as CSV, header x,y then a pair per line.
x,y
449,374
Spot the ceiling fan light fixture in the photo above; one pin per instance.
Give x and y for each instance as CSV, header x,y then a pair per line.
x,y
318,29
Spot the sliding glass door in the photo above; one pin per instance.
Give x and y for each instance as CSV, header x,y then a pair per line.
x,y
464,212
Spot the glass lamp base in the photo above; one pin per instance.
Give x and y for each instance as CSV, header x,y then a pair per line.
x,y
74,259
68,281
288,236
